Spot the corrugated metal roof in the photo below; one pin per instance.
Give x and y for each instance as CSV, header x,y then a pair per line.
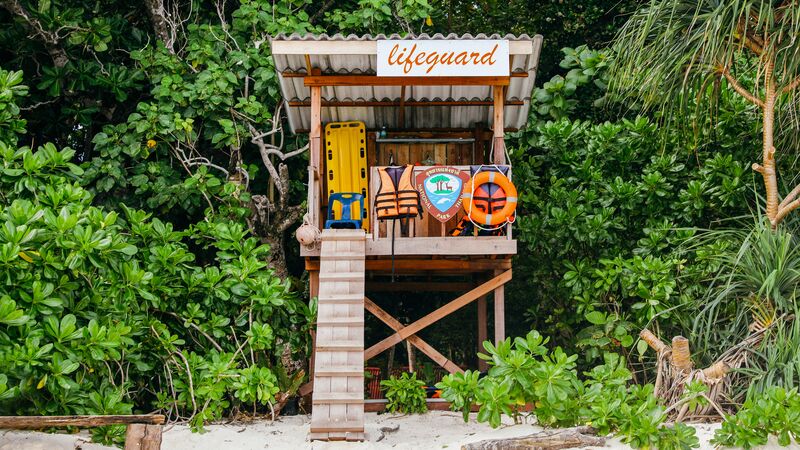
x,y
361,59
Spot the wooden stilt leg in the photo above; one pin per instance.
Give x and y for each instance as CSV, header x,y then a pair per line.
x,y
499,311
313,291
483,333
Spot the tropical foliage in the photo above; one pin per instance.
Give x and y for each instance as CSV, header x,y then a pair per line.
x,y
107,313
147,269
679,49
525,372
607,209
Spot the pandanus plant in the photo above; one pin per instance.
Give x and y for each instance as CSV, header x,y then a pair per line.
x,y
673,54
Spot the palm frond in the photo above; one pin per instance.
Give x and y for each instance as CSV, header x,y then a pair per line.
x,y
672,48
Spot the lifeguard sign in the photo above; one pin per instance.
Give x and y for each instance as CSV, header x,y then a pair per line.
x,y
442,58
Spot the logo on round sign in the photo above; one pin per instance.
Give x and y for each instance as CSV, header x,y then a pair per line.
x,y
440,191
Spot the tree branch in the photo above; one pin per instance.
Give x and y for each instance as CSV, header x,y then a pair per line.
x,y
162,25
791,86
789,197
49,38
320,11
741,90
783,211
210,339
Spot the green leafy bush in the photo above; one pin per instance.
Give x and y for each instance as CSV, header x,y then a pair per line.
x,y
774,412
606,207
107,313
604,216
525,373
405,394
558,98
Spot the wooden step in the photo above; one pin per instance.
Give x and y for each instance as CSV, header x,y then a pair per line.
x,y
343,235
341,276
338,398
342,256
340,346
341,298
339,371
341,322
353,426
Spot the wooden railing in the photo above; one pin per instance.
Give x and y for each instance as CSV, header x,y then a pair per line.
x,y
425,235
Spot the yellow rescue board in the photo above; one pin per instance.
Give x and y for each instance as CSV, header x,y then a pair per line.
x,y
346,164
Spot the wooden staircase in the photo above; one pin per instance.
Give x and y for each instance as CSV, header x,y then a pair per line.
x,y
338,398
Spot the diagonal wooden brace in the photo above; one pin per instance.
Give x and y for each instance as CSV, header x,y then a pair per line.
x,y
416,341
435,316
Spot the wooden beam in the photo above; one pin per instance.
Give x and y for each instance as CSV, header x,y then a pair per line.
x,y
316,127
483,333
417,286
416,341
421,131
438,314
498,152
372,80
401,103
499,312
457,265
294,74
351,47
33,422
401,113
454,246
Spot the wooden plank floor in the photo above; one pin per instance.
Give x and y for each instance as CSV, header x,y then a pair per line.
x,y
338,399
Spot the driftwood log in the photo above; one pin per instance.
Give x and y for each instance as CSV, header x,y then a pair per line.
x,y
674,370
545,440
143,432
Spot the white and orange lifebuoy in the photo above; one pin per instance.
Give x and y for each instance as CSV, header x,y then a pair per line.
x,y
490,218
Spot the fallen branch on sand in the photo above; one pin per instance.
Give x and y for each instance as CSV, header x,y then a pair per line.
x,y
544,440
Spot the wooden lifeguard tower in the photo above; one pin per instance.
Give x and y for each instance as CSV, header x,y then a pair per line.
x,y
453,116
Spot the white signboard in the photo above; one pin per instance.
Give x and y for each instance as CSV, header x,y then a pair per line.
x,y
442,58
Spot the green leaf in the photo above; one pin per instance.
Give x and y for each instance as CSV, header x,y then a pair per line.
x,y
596,317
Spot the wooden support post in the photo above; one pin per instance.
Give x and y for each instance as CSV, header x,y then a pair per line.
x,y
499,312
401,113
316,127
313,291
438,314
139,436
498,141
423,346
483,333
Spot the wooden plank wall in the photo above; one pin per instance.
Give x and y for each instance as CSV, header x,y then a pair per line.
x,y
419,153
452,154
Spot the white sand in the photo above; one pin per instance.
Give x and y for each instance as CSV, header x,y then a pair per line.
x,y
435,430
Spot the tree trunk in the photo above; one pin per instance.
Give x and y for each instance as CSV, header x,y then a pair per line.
x,y
767,169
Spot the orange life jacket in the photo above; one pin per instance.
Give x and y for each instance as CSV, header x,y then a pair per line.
x,y
397,201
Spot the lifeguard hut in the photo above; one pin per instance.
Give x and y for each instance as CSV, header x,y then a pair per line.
x,y
368,102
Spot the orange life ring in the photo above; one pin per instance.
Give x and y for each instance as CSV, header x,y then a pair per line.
x,y
489,218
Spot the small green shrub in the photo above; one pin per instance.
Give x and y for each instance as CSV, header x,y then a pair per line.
x,y
460,390
773,412
405,394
